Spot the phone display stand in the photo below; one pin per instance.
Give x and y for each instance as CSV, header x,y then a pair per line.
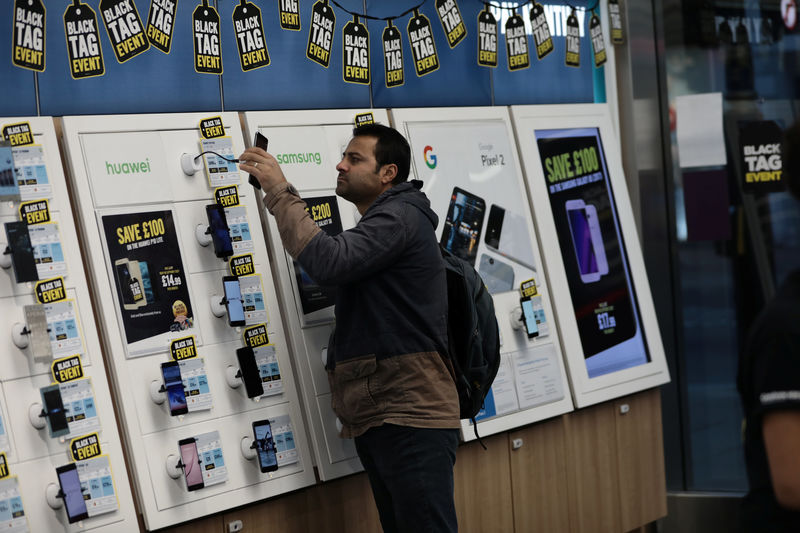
x,y
248,447
53,496
158,392
174,466
202,233
5,257
217,304
324,355
233,375
36,415
191,164
19,335
515,316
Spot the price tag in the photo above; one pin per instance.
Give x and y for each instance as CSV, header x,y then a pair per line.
x,y
290,14
207,53
355,52
31,172
487,39
212,462
195,384
452,22
573,39
268,369
160,23
80,406
47,252
124,27
250,40
282,434
62,323
320,36
100,495
423,48
598,44
220,167
83,41
517,43
255,309
541,31
239,227
393,56
615,16
29,35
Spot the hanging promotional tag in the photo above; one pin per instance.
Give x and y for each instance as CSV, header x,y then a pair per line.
x,y
160,23
124,27
573,56
420,36
83,41
18,134
541,31
249,29
487,38
290,14
598,44
355,52
29,35
320,36
517,43
207,53
615,17
393,56
452,21
760,156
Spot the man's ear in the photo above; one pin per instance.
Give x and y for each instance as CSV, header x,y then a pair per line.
x,y
388,173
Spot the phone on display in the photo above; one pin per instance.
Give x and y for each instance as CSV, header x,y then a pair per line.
x,y
220,232
9,186
233,300
176,396
251,376
265,446
129,284
259,142
587,240
22,259
54,407
529,317
191,463
462,227
72,492
36,320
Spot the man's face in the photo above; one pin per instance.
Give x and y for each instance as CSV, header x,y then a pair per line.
x,y
358,180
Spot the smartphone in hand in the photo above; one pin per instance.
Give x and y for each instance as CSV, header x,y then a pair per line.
x,y
259,142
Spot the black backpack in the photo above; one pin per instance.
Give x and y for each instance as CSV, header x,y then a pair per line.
x,y
473,335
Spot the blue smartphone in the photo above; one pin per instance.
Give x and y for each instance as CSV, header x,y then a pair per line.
x,y
176,396
72,492
233,300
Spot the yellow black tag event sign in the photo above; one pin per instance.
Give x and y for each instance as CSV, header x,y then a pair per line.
x,y
528,288
256,336
212,127
242,265
760,155
85,447
4,471
423,48
615,17
249,29
183,348
598,44
36,212
487,39
18,134
50,290
573,56
290,14
83,41
362,119
517,43
227,196
320,36
125,28
541,31
67,369
160,23
29,35
355,52
393,56
452,21
207,51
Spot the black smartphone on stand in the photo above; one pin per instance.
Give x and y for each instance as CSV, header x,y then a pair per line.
x,y
220,232
251,376
529,317
22,259
265,446
71,491
54,409
191,464
233,300
176,396
259,142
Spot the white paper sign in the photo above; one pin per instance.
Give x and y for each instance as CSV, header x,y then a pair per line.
x,y
97,485
538,376
285,447
701,141
31,172
79,406
209,449
195,384
47,250
239,229
255,309
62,321
12,514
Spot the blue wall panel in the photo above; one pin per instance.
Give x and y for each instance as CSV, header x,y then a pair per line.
x,y
17,89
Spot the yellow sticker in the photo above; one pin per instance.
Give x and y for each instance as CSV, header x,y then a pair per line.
x,y
212,127
362,119
528,288
242,265
227,196
67,369
256,336
18,134
50,290
85,447
4,471
35,212
183,348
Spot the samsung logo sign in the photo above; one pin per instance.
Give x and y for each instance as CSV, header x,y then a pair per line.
x,y
299,158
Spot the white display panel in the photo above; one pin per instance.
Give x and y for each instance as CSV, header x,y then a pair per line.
x,y
594,261
32,454
128,181
309,145
468,163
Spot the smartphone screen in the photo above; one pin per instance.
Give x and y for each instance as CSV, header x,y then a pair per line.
x,y
147,284
260,142
70,483
54,407
19,241
36,319
250,373
265,446
233,300
9,187
462,227
174,385
191,464
220,232
582,239
529,318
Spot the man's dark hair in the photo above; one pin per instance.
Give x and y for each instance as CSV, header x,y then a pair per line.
x,y
391,147
791,158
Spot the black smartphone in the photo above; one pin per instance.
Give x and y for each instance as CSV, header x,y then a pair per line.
x,y
191,463
259,142
19,242
233,300
72,493
220,232
265,446
462,227
9,186
250,373
529,317
176,396
54,409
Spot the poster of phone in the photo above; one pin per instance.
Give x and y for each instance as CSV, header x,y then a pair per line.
x,y
151,284
502,397
195,384
219,169
97,485
267,362
209,449
31,172
239,229
285,447
255,309
594,257
12,513
62,325
47,250
79,406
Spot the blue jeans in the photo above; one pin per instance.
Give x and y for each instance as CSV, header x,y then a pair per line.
x,y
410,471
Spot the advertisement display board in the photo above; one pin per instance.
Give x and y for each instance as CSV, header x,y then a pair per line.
x,y
583,213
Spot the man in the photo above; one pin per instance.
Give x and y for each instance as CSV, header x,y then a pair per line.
x,y
769,386
391,381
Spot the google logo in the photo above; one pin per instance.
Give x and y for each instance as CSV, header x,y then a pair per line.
x,y
430,160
